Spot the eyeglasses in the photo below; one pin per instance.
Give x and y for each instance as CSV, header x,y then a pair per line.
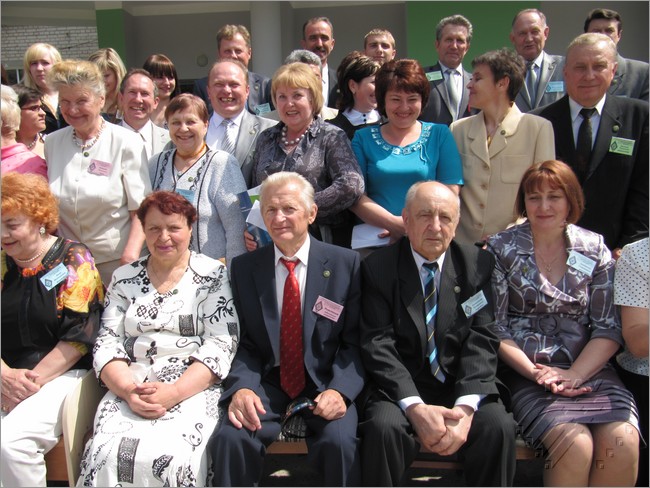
x,y
34,108
294,425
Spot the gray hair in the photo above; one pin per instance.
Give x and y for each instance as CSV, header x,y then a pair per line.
x,y
410,194
303,56
9,110
455,20
542,17
591,39
284,178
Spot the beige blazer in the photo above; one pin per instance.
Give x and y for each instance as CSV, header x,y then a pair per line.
x,y
492,175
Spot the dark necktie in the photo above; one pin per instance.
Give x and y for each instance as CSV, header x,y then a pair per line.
x,y
583,144
292,371
430,310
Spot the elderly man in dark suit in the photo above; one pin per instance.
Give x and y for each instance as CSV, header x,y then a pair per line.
x,y
544,83
631,77
448,79
426,307
297,288
232,128
605,140
234,42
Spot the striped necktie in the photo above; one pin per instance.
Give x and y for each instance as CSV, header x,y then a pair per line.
x,y
228,143
430,310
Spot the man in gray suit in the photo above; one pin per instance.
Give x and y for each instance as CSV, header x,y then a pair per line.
x,y
138,98
234,42
448,79
631,78
231,127
544,81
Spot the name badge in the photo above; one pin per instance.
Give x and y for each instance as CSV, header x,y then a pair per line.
x,y
100,168
581,263
188,194
474,304
619,145
327,308
434,75
263,109
55,276
555,87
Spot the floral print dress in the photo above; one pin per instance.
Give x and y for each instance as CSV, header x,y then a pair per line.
x,y
160,335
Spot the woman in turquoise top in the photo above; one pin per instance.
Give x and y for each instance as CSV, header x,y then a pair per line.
x,y
404,150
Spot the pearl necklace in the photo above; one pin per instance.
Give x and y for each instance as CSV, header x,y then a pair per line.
x,y
38,255
31,145
90,144
292,142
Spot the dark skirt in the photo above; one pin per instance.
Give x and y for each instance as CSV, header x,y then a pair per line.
x,y
537,410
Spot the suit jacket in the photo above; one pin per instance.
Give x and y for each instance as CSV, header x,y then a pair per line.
x,y
259,94
393,330
616,185
630,79
437,109
492,174
331,349
550,71
251,126
333,86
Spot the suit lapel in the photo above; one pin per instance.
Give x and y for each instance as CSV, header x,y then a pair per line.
x,y
411,292
264,279
476,134
315,286
508,128
609,120
545,73
441,86
247,131
464,101
447,297
619,76
560,118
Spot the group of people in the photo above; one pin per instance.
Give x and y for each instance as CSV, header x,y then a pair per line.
x,y
124,248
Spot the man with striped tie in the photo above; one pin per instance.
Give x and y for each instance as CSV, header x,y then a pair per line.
x,y
426,305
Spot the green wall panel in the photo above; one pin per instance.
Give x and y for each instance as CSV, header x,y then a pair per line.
x,y
111,30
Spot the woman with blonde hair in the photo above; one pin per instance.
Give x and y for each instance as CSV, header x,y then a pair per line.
x,y
111,65
98,170
37,62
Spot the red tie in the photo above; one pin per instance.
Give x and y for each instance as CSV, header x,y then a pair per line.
x,y
292,371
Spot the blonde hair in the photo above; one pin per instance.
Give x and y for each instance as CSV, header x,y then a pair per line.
x,y
298,75
9,111
35,52
74,72
108,58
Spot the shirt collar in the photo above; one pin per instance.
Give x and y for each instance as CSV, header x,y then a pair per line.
x,y
444,68
218,119
575,107
420,260
358,118
146,131
302,255
538,60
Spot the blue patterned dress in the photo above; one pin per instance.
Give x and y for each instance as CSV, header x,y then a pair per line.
x,y
160,335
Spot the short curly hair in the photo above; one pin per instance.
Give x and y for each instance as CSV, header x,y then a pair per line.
x,y
30,195
404,75
169,203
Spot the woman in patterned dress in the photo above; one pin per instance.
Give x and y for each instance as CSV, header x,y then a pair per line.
x,y
168,336
555,317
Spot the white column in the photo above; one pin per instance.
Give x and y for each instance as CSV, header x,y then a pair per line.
x,y
266,37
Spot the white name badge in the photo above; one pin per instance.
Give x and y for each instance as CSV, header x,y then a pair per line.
x,y
434,75
581,263
55,276
263,108
555,87
620,145
328,309
474,304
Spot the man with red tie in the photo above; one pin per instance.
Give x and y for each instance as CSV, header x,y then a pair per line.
x,y
298,303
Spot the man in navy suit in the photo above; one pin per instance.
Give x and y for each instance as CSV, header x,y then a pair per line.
x,y
255,392
443,390
544,83
631,77
234,41
614,173
448,79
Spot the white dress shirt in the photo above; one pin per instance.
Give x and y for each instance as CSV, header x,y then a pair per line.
x,y
576,119
217,132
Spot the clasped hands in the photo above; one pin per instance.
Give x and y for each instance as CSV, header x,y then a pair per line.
x,y
246,406
17,385
439,429
151,400
565,382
